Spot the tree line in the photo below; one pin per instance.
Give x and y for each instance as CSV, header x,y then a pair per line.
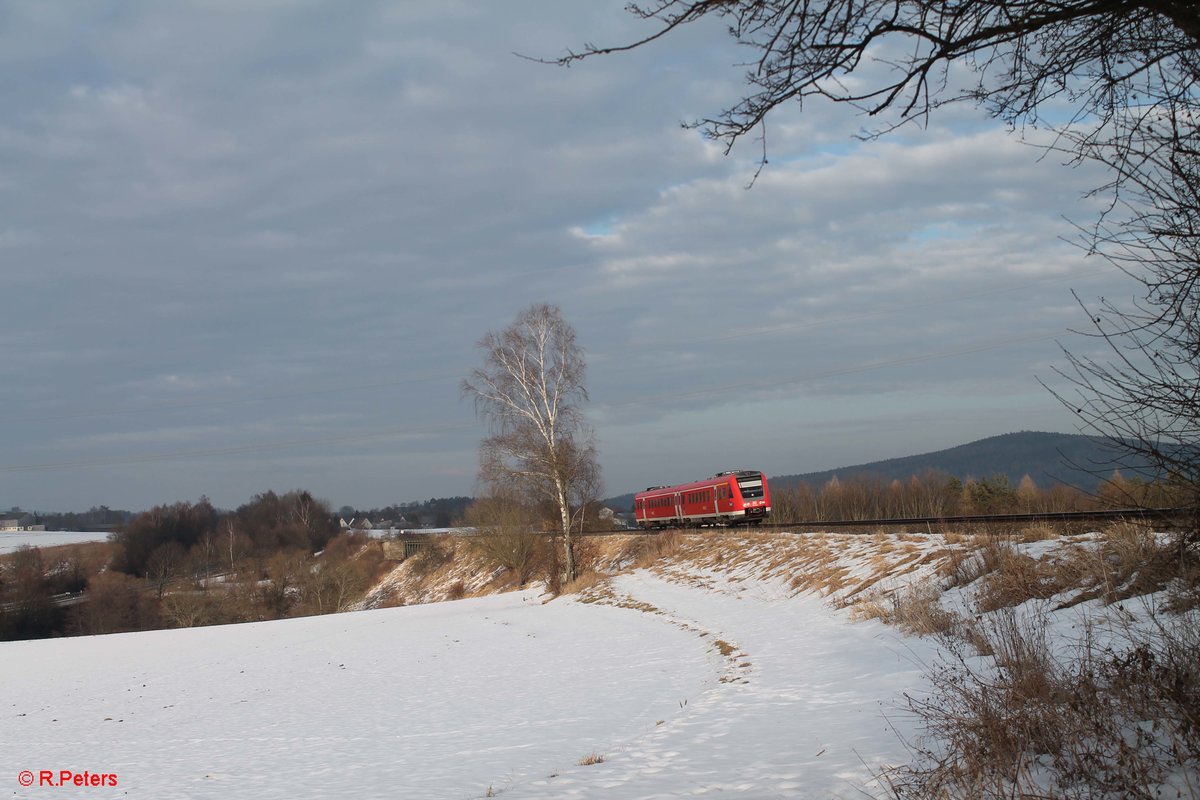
x,y
187,564
937,494
96,518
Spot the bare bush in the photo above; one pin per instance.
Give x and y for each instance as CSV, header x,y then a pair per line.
x,y
191,608
116,603
1103,720
504,536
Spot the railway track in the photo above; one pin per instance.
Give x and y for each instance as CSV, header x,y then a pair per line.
x,y
1160,516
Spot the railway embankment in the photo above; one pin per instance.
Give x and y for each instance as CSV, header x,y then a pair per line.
x,y
1065,665
873,574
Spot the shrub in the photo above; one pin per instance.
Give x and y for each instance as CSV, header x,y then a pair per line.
x,y
1106,720
116,603
514,550
505,536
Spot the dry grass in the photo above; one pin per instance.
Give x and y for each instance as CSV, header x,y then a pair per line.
x,y
1036,533
914,609
1134,561
583,582
724,648
591,759
646,550
1010,577
960,567
1129,560
1124,560
1107,721
437,553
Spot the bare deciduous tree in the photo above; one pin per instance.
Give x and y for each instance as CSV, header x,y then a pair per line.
x,y
531,392
1091,55
164,565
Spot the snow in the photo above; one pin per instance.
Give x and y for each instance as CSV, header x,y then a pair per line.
x,y
713,687
12,540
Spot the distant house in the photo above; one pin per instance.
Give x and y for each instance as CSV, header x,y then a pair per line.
x,y
365,524
20,522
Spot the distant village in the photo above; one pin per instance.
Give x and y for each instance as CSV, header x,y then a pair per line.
x,y
20,521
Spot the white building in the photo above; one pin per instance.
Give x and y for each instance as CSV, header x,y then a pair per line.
x,y
20,521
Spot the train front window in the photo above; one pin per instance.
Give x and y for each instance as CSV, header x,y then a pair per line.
x,y
751,487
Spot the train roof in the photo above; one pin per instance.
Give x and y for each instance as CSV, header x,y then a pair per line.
x,y
700,484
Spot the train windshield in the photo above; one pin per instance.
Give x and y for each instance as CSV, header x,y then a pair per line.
x,y
751,486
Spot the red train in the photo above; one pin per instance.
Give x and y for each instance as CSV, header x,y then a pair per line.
x,y
737,497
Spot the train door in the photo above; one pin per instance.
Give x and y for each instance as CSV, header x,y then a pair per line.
x,y
678,507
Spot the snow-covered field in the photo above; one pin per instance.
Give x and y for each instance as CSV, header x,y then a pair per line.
x,y
706,688
11,540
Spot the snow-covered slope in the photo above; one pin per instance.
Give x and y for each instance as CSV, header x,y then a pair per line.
x,y
708,687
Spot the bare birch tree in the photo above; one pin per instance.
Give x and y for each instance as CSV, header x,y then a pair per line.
x,y
531,392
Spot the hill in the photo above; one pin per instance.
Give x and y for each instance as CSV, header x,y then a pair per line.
x,y
1048,458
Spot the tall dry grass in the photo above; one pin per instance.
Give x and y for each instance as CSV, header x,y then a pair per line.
x,y
645,550
1110,718
914,609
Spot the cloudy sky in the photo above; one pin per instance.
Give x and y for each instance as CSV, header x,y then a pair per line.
x,y
251,246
